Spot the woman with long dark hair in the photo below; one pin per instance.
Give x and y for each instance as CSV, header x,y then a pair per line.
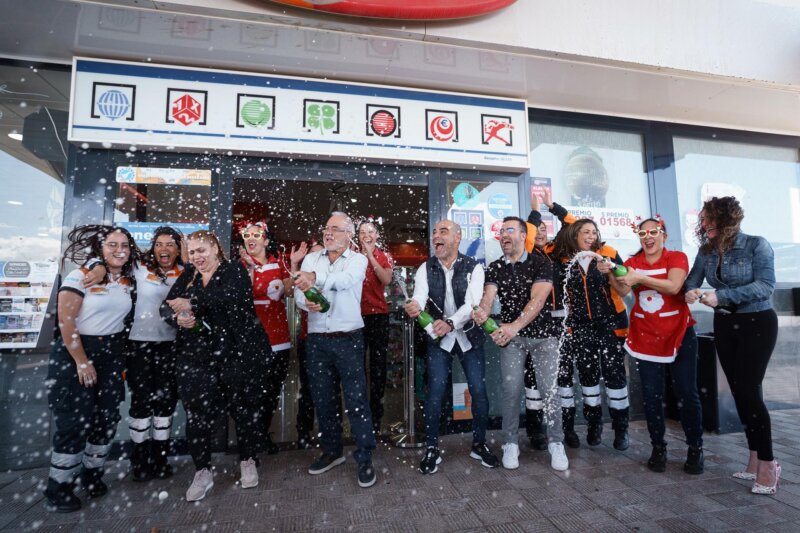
x,y
222,357
741,269
591,341
150,361
660,336
87,361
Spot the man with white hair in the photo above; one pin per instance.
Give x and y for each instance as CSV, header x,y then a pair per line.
x,y
335,346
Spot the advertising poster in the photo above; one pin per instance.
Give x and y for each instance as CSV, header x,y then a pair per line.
x,y
25,288
613,223
462,402
540,186
142,232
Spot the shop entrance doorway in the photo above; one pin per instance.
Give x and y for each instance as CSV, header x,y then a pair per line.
x,y
296,205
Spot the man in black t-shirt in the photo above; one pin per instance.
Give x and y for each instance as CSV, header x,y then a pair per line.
x,y
523,283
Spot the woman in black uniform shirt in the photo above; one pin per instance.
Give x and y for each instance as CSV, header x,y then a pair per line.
x,y
222,357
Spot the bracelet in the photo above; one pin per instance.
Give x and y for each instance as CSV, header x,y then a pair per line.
x,y
83,366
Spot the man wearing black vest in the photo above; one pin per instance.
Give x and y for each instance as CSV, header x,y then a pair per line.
x,y
452,283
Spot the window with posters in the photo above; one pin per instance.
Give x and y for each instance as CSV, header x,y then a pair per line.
x,y
479,208
765,179
151,197
593,173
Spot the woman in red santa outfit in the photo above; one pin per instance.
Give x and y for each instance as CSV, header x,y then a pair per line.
x,y
661,335
271,282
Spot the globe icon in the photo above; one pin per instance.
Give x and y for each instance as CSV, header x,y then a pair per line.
x,y
113,104
255,113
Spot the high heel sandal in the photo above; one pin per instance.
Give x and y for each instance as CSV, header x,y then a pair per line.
x,y
744,475
758,488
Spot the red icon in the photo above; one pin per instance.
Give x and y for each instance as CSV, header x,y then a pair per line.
x,y
187,110
493,129
383,123
442,128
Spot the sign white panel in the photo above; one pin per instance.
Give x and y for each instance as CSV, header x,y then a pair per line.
x,y
164,107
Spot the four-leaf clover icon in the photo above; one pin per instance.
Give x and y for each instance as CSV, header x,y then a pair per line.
x,y
321,116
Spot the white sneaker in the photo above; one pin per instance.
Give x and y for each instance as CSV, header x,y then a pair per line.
x,y
203,481
510,456
558,457
249,474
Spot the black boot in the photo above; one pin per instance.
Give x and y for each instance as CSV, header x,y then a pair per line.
x,y
270,447
533,425
159,464
571,438
695,462
61,497
594,433
304,441
619,422
140,461
658,458
92,481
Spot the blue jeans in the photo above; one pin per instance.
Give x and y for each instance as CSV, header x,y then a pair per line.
x,y
684,383
474,364
326,359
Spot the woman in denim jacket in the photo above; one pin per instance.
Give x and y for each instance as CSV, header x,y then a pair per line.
x,y
741,269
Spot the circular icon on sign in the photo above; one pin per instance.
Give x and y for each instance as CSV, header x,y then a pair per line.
x,y
442,128
255,113
383,123
113,104
497,225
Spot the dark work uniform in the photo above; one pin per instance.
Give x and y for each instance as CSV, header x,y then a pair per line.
x,y
223,367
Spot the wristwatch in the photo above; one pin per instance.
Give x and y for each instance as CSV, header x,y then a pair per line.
x,y
450,323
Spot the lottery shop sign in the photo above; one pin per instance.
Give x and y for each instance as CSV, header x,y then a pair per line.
x,y
162,107
613,223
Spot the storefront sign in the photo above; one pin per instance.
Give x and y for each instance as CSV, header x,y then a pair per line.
x,y
164,176
403,9
172,108
142,232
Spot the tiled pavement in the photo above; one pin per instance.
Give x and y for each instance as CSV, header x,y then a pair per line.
x,y
604,490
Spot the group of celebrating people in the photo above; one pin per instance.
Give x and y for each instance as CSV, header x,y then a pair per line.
x,y
181,321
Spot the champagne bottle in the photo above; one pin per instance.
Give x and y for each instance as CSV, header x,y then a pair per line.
x,y
314,296
490,326
619,271
425,321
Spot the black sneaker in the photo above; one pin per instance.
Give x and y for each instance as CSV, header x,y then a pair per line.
x,y
324,463
61,498
429,462
695,462
485,455
572,440
366,475
621,440
594,434
658,459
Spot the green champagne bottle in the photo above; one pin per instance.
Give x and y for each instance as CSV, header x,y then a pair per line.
x,y
314,296
490,326
620,270
425,321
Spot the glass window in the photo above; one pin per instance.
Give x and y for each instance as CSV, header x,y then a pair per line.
x,y
595,174
765,179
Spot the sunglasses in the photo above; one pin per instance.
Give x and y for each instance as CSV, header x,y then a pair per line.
x,y
253,235
508,230
642,233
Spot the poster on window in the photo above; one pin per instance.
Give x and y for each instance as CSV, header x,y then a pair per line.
x,y
541,187
613,223
462,402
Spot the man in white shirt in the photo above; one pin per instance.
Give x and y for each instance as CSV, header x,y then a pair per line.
x,y
453,284
335,346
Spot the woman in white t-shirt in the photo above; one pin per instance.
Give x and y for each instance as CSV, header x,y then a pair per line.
x,y
87,361
150,361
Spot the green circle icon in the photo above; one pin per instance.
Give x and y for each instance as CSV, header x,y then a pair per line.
x,y
255,113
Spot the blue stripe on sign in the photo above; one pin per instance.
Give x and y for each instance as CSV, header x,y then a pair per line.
x,y
268,82
289,139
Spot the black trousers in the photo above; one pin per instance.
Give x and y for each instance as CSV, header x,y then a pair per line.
x,y
153,386
85,418
597,352
305,403
275,378
376,337
744,343
209,388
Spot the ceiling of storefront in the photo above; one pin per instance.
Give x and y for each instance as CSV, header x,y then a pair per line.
x,y
263,44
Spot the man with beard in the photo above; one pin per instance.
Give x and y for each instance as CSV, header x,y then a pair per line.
x,y
524,283
452,283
